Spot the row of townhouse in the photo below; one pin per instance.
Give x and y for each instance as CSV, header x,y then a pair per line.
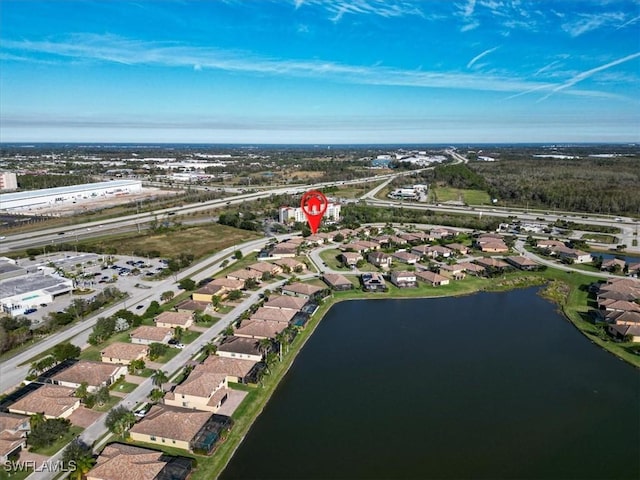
x,y
559,249
619,307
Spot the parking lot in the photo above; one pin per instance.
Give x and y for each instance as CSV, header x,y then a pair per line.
x,y
93,273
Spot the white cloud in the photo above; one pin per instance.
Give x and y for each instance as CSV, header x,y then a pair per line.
x,y
482,55
588,22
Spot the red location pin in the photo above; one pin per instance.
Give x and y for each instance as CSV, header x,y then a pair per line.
x,y
314,204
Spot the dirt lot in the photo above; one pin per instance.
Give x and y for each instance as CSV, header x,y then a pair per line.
x,y
83,206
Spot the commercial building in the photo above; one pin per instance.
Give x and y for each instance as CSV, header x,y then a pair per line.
x,y
8,181
18,294
295,214
49,197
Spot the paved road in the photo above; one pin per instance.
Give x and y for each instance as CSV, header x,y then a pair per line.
x,y
11,373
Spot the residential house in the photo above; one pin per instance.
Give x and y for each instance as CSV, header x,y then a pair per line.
x,y
265,267
52,401
245,274
274,315
146,335
95,374
284,250
398,241
229,284
119,462
625,332
574,255
206,293
491,263
633,269
192,306
373,282
410,238
549,245
455,271
124,353
439,251
354,247
292,264
238,347
433,279
441,232
368,245
472,268
612,264
13,434
259,329
235,370
174,319
350,259
380,259
201,390
286,302
459,248
405,257
304,290
335,281
404,279
421,250
170,426
522,263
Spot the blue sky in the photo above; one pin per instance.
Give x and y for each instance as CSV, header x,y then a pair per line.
x,y
320,71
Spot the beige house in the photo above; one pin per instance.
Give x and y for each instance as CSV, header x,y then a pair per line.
x,y
291,263
124,353
259,329
403,279
235,369
350,258
206,293
239,347
406,257
244,275
13,434
274,314
146,335
303,290
94,374
201,390
433,279
170,426
286,302
380,259
51,400
174,319
127,462
265,267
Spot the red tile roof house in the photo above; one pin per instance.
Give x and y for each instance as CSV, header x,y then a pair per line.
x,y
337,282
421,250
471,268
576,256
397,240
274,314
443,233
303,290
490,262
432,278
458,247
350,258
291,263
174,319
286,302
192,306
124,353
369,246
208,291
127,462
284,250
610,265
353,247
522,263
634,269
380,259
244,275
259,329
235,369
146,335
265,267
242,348
410,238
95,374
51,400
439,251
13,434
404,279
548,245
625,332
406,257
455,271
228,283
623,318
201,390
170,426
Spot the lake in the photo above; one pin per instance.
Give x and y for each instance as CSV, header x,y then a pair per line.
x,y
491,385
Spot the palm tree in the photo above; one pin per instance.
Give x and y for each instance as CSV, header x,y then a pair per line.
x,y
264,345
156,395
36,420
80,453
159,377
178,332
210,348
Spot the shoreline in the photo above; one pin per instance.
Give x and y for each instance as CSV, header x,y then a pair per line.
x,y
338,297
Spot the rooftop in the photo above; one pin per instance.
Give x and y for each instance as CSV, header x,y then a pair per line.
x,y
6,197
174,318
235,367
171,422
124,351
150,333
30,283
52,400
94,373
247,346
287,302
118,461
274,314
200,383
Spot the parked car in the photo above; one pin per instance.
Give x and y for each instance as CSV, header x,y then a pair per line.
x,y
30,310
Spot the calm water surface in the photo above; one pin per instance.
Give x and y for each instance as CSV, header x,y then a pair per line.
x,y
493,385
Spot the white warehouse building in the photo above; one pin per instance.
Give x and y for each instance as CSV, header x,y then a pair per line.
x,y
29,291
295,214
48,197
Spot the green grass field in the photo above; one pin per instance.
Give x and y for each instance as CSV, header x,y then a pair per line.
x,y
600,238
470,197
201,240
